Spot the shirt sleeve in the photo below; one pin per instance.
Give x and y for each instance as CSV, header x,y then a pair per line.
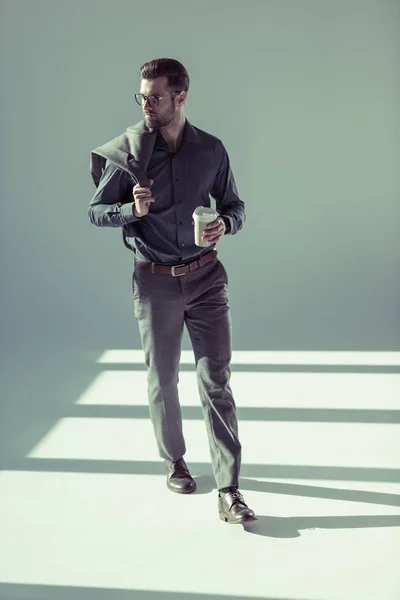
x,y
225,193
107,209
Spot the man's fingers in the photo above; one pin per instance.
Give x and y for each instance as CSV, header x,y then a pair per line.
x,y
214,226
213,230
141,193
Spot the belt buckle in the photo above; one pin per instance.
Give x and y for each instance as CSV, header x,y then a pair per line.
x,y
175,267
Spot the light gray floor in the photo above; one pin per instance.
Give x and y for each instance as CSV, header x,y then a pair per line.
x,y
85,512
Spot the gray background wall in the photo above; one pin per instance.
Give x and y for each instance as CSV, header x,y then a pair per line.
x,y
304,95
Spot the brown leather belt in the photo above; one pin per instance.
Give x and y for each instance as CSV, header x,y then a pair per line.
x,y
178,270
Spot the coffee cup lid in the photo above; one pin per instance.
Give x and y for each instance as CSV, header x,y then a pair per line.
x,y
204,212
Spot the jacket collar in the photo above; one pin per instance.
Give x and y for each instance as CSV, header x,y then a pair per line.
x,y
131,151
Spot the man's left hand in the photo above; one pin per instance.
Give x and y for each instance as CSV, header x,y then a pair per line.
x,y
214,231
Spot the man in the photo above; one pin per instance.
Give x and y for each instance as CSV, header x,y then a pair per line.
x,y
174,280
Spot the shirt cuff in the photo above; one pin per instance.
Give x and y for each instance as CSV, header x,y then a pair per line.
x,y
126,212
228,223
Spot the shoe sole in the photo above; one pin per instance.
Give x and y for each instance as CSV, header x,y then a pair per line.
x,y
236,522
182,491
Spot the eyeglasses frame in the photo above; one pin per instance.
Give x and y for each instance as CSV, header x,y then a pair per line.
x,y
154,96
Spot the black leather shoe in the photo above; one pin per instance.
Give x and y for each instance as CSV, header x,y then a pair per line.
x,y
233,509
179,479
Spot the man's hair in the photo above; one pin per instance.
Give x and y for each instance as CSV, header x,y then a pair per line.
x,y
178,77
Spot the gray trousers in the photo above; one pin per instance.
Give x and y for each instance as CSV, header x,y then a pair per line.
x,y
162,304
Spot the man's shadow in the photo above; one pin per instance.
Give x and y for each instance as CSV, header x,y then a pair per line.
x,y
290,527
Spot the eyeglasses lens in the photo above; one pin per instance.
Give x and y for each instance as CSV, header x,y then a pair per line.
x,y
152,100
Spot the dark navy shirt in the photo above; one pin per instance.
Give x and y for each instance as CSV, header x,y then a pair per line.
x,y
183,180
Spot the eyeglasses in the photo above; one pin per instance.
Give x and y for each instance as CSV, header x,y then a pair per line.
x,y
153,100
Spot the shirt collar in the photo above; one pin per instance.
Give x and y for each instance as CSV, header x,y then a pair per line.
x,y
190,136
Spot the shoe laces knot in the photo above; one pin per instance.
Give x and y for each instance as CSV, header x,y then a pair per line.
x,y
237,496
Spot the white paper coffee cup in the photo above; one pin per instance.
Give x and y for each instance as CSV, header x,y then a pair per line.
x,y
202,215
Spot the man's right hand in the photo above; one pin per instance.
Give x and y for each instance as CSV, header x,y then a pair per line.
x,y
143,199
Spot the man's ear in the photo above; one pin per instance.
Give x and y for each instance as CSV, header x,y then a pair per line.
x,y
182,98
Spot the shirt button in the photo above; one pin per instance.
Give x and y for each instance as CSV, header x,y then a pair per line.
x,y
180,222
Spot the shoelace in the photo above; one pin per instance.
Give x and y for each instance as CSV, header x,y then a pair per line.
x,y
237,496
181,467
